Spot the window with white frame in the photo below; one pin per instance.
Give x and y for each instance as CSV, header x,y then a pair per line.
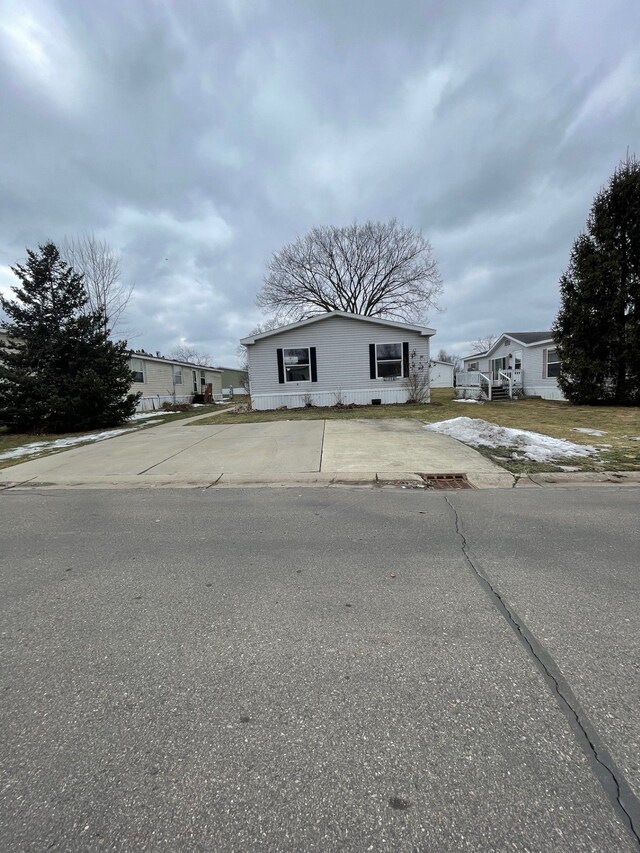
x,y
553,364
474,365
203,380
177,374
389,361
137,366
297,365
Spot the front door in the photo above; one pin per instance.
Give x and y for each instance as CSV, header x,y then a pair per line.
x,y
497,364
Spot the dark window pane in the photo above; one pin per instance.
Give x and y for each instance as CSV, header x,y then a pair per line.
x,y
297,373
296,356
389,369
553,370
388,351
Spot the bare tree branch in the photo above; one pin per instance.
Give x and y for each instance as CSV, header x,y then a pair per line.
x,y
190,355
266,326
379,269
449,358
485,343
100,266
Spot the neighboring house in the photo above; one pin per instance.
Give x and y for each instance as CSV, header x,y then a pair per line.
x,y
518,363
166,380
234,380
441,374
335,357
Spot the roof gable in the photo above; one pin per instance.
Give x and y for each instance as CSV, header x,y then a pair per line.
x,y
525,339
379,321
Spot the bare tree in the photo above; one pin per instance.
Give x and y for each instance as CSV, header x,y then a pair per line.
x,y
449,358
379,269
485,343
190,355
100,266
266,326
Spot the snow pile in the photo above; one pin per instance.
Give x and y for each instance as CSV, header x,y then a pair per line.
x,y
588,431
524,444
468,401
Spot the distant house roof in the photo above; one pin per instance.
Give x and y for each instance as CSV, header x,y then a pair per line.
x,y
527,339
379,321
140,353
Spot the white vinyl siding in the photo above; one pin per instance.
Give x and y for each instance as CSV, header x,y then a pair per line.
x,y
342,363
441,375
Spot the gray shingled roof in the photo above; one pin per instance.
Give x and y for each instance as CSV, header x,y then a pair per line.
x,y
530,337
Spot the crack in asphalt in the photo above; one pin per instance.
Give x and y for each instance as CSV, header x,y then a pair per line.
x,y
624,801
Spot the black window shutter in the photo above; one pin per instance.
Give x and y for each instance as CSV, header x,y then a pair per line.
x,y
280,367
314,366
405,358
372,360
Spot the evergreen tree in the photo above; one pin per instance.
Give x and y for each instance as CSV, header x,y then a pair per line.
x,y
598,326
59,371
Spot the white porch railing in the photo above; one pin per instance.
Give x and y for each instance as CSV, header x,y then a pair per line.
x,y
474,379
503,375
513,379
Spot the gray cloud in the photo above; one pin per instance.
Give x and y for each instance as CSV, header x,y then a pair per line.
x,y
197,138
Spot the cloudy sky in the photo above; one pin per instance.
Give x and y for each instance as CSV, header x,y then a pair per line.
x,y
199,137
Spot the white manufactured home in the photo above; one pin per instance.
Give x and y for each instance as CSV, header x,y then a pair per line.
x,y
518,364
334,358
165,380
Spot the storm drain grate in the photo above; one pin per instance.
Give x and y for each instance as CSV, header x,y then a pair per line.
x,y
446,481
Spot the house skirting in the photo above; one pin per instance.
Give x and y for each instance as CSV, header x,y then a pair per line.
x,y
150,404
544,391
298,399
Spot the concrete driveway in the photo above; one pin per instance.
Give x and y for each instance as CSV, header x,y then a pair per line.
x,y
183,453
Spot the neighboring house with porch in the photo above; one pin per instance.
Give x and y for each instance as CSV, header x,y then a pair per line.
x,y
518,364
167,380
337,357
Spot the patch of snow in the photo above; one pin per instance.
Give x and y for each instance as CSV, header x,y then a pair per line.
x,y
568,468
588,431
526,445
469,401
61,443
141,416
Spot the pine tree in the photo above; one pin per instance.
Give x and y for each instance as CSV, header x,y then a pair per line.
x,y
597,330
59,371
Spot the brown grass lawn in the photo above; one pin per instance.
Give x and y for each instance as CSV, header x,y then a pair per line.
x,y
10,441
545,416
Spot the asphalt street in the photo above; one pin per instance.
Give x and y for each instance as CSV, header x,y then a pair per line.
x,y
320,669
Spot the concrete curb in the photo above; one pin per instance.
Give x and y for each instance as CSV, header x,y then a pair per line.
x,y
386,479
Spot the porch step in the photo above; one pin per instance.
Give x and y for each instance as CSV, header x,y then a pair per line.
x,y
499,393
